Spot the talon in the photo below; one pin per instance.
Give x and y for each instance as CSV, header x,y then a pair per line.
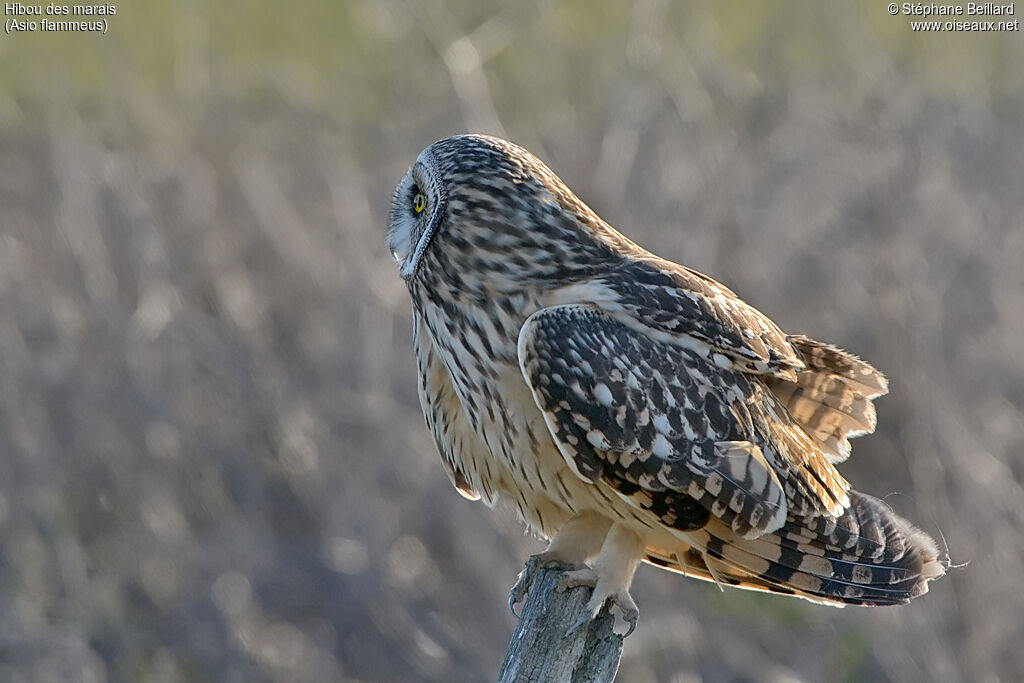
x,y
574,579
513,600
621,599
522,586
520,589
630,613
584,619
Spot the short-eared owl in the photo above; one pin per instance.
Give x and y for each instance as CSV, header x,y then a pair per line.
x,y
631,408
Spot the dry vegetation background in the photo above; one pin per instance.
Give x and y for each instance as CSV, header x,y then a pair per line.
x,y
212,461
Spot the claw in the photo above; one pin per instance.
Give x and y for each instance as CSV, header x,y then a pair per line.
x,y
514,600
522,587
600,598
584,619
629,611
573,577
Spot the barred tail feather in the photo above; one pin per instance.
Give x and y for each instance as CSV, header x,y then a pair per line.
x,y
889,565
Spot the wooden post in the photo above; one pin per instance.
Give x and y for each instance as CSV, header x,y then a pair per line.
x,y
542,649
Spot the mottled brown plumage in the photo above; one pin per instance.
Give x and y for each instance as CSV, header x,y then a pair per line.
x,y
631,408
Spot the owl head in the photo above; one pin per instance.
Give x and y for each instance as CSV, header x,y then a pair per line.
x,y
481,205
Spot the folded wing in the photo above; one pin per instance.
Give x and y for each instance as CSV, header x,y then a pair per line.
x,y
666,426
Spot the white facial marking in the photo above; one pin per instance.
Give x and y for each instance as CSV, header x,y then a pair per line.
x,y
403,225
411,229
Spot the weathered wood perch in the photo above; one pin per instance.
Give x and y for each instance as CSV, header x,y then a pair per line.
x,y
543,649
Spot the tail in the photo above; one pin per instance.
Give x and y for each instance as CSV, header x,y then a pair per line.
x,y
868,556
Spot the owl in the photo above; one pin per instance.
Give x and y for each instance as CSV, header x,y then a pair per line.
x,y
632,409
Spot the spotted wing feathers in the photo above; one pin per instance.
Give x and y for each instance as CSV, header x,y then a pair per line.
x,y
658,423
697,310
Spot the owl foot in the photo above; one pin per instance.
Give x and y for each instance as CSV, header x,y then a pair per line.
x,y
543,560
604,593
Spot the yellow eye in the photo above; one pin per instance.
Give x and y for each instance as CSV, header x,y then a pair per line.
x,y
419,202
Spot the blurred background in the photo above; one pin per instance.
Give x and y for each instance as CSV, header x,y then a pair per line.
x,y
213,465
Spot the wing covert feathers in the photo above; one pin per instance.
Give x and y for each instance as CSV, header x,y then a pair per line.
x,y
684,307
661,423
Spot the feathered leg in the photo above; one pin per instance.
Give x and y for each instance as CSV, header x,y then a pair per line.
x,y
577,541
610,575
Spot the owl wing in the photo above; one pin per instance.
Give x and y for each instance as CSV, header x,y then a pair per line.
x,y
673,432
826,390
664,425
